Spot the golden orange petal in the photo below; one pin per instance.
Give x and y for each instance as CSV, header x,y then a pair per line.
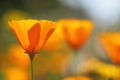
x,y
34,36
20,29
19,33
49,34
46,26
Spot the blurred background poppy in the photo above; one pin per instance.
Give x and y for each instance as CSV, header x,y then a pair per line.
x,y
96,59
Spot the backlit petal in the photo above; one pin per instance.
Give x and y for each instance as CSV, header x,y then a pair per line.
x,y
34,36
46,26
20,29
19,33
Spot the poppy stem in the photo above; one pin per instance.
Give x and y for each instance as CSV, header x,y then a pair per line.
x,y
31,65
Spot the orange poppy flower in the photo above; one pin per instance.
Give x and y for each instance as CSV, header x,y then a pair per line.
x,y
32,34
111,43
78,78
75,31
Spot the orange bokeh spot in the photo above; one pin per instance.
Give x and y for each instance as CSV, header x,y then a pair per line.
x,y
111,43
76,32
78,78
16,74
17,56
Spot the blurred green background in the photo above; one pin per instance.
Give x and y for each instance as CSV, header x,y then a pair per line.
x,y
92,60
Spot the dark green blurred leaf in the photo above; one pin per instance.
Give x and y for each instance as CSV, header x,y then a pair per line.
x,y
54,76
2,76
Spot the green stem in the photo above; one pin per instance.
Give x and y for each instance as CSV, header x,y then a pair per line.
x,y
31,65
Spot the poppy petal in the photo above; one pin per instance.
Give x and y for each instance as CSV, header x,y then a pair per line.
x,y
34,35
49,34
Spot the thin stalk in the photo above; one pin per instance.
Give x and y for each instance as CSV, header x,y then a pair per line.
x,y
31,66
